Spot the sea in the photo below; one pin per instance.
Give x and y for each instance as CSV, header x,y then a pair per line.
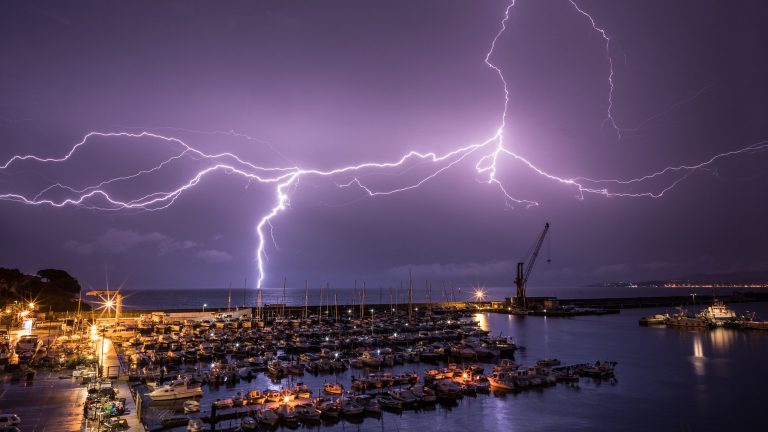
x,y
294,296
667,379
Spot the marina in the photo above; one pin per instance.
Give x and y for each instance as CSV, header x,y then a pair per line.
x,y
304,371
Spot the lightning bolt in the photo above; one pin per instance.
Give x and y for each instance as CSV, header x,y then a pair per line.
x,y
486,155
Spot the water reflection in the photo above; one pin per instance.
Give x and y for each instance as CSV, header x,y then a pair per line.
x,y
722,340
482,319
698,355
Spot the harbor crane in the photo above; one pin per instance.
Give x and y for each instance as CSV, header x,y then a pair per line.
x,y
521,280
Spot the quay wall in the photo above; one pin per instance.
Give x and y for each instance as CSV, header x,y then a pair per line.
x,y
666,301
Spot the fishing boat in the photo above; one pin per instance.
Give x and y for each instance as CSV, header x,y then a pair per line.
x,y
350,408
548,362
328,408
177,389
447,390
307,413
681,319
406,397
369,404
255,397
502,381
600,369
425,394
388,402
287,414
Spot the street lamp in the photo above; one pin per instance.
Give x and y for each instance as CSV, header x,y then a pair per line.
x,y
479,294
204,305
694,299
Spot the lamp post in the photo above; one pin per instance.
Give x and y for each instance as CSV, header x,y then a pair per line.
x,y
693,295
101,364
371,322
204,305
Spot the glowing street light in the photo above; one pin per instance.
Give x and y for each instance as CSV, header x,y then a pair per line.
x,y
479,294
204,305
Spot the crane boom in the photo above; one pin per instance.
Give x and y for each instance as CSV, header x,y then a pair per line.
x,y
522,275
535,254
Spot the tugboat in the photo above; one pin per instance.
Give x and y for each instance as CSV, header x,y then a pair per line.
x,y
718,313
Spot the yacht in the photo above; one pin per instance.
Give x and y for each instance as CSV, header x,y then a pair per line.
x,y
178,389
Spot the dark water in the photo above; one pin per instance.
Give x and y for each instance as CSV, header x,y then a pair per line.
x,y
217,297
668,380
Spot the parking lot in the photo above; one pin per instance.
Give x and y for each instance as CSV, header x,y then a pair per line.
x,y
49,403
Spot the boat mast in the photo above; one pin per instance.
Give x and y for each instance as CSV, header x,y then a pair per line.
x,y
336,307
320,311
429,295
229,297
306,298
245,286
282,308
362,303
410,294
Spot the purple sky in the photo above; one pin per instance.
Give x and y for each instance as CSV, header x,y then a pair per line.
x,y
321,85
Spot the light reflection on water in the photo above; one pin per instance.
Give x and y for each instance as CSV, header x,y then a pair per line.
x,y
698,356
482,319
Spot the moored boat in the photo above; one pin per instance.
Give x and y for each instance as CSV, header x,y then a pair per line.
x,y
191,406
502,381
178,389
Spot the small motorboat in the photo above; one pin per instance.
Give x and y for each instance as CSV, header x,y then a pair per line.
x,y
195,425
191,406
223,403
267,416
388,402
307,413
248,423
333,388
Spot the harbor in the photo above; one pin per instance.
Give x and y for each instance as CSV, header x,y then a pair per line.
x,y
162,370
310,366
